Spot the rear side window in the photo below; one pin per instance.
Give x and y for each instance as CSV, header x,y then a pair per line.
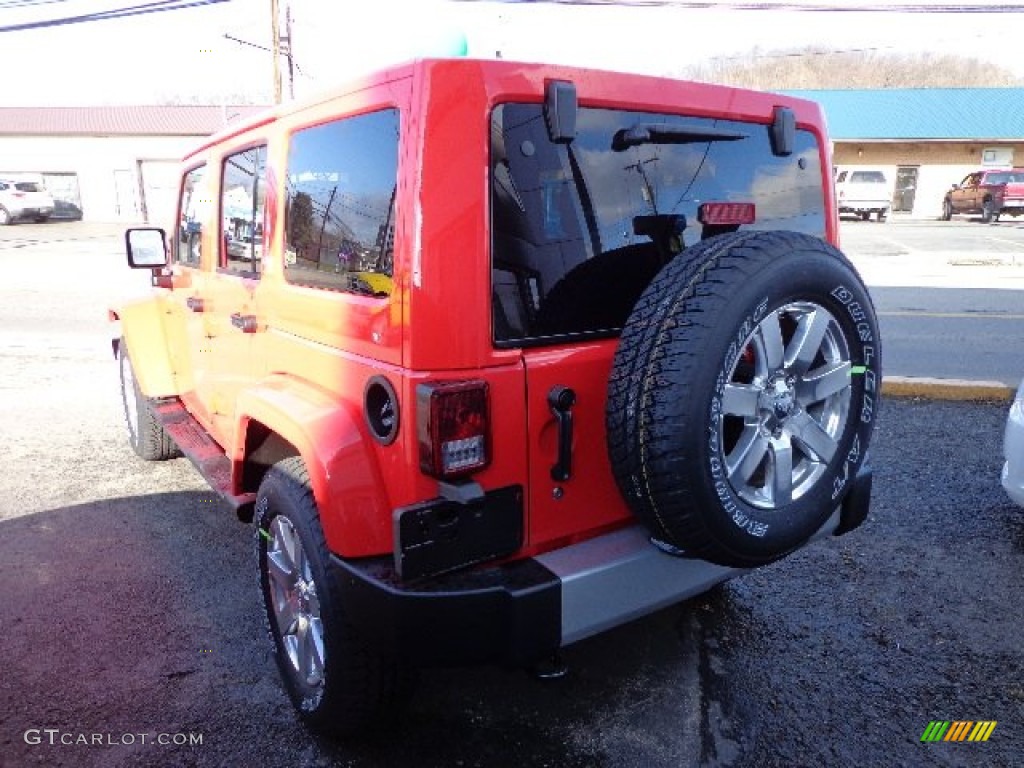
x,y
341,183
243,197
868,177
579,229
193,207
28,186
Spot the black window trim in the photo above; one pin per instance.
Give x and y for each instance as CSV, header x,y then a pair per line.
x,y
181,188
253,274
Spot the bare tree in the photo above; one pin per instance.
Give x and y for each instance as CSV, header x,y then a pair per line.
x,y
810,68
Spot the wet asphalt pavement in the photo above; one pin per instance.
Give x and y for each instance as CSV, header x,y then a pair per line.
x,y
129,604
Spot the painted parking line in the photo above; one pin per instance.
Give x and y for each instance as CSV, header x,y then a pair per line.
x,y
1014,243
952,315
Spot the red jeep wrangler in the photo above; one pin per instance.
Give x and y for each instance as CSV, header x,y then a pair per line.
x,y
496,356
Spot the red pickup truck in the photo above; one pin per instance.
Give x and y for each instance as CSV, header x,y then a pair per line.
x,y
990,193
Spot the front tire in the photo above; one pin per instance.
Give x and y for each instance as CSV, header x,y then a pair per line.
x,y
742,395
335,680
146,435
947,210
5,217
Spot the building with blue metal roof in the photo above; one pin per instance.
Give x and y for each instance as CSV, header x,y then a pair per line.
x,y
924,139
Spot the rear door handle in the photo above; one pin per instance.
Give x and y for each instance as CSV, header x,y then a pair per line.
x,y
560,401
244,323
195,303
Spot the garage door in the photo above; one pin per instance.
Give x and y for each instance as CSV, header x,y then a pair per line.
x,y
159,190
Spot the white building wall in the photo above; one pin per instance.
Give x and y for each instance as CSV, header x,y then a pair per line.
x,y
95,159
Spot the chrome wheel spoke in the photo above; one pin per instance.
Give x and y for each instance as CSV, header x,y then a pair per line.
x,y
286,615
812,438
768,345
823,383
314,644
781,470
741,400
747,456
280,570
806,341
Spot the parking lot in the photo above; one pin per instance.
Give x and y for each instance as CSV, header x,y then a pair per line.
x,y
130,599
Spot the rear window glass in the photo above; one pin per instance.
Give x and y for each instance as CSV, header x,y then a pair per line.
x,y
28,186
579,230
342,179
868,177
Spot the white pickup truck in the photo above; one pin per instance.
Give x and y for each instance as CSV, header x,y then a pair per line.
x,y
863,193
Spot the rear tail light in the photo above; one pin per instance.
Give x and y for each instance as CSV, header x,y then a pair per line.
x,y
726,213
452,427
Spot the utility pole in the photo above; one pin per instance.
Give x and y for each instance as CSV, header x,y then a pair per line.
x,y
288,48
276,48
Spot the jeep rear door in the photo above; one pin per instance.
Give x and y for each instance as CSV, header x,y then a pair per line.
x,y
578,230
232,286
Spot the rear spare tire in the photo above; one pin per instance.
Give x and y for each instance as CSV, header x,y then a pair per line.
x,y
742,395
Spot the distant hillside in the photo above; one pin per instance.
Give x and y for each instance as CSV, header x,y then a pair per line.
x,y
817,68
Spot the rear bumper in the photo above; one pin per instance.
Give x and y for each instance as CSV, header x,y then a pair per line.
x,y
31,212
863,206
522,612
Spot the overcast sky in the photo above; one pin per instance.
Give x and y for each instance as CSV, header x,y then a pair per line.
x,y
150,58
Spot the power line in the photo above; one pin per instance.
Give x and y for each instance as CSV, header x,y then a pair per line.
x,y
240,41
28,3
117,13
736,5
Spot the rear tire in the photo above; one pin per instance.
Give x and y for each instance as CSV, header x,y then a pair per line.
x,y
5,217
987,212
337,682
742,395
146,435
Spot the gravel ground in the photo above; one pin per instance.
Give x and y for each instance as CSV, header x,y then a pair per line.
x,y
842,654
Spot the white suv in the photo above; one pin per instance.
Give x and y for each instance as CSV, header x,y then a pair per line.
x,y
24,200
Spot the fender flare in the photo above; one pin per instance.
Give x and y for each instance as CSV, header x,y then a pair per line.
x,y
331,437
142,329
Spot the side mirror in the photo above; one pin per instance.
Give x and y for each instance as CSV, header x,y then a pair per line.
x,y
954,186
147,247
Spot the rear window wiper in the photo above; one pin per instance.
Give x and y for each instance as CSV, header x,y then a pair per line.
x,y
670,133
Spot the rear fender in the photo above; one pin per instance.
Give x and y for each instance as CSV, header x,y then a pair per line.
x,y
142,329
331,437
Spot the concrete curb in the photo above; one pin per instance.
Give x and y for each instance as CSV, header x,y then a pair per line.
x,y
946,389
